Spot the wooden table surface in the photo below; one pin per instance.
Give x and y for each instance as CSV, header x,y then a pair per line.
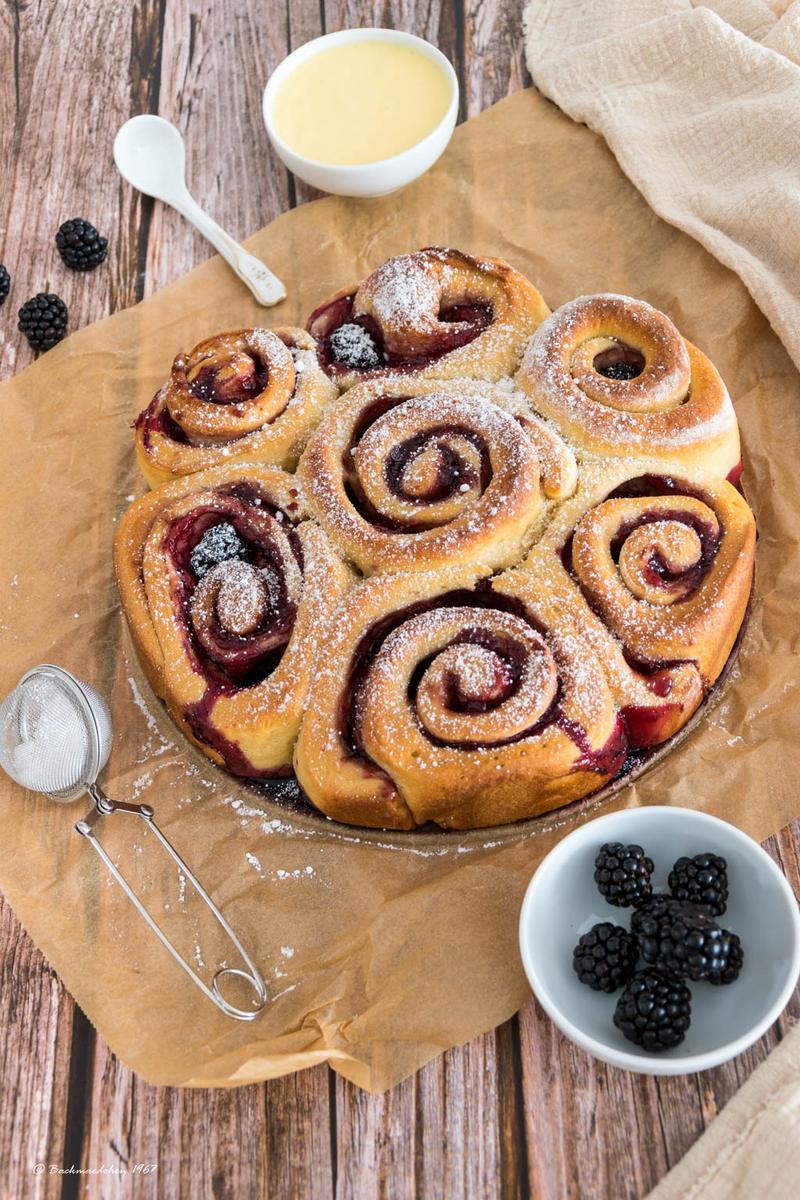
x,y
518,1112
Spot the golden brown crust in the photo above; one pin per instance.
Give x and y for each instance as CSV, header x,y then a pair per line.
x,y
251,395
401,302
268,612
655,572
408,476
439,701
675,408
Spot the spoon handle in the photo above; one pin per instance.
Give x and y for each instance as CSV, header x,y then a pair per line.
x,y
265,286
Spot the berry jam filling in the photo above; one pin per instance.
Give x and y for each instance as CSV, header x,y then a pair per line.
x,y
658,571
512,655
734,477
648,726
151,421
451,474
237,635
233,380
365,351
657,485
619,361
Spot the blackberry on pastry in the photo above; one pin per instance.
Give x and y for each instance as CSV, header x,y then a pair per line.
x,y
436,313
228,590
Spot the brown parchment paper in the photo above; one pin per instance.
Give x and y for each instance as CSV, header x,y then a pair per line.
x,y
378,952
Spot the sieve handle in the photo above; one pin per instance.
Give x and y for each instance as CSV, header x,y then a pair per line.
x,y
86,828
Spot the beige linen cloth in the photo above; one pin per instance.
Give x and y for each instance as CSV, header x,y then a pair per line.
x,y
700,103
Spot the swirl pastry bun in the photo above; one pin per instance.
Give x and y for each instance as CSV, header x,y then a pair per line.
x,y
408,476
249,395
439,699
227,590
618,379
655,573
434,314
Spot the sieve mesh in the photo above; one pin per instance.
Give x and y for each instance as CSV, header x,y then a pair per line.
x,y
50,741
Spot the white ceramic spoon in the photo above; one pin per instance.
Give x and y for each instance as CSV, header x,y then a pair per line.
x,y
150,154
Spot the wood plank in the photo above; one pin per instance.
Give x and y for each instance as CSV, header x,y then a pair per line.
x,y
494,59
215,61
375,1142
143,1142
466,1129
450,1131
59,111
36,1017
301,1157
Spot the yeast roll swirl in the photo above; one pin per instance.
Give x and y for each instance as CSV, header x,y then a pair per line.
x,y
410,476
227,590
439,699
435,313
615,375
248,395
655,573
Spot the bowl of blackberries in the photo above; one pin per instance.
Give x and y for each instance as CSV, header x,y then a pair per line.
x,y
662,940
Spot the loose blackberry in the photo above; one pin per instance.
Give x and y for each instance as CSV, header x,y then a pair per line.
x,y
646,924
730,972
623,874
605,957
352,346
654,1011
80,245
43,320
5,284
701,880
686,942
219,544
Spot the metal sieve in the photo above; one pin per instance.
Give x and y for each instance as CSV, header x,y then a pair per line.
x,y
55,738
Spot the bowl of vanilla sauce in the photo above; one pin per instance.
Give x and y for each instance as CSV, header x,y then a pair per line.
x,y
361,112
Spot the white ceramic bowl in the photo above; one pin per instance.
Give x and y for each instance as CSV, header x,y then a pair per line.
x,y
562,902
364,179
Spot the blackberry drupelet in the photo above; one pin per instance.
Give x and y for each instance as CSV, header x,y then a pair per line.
x,y
80,245
654,1011
605,957
686,942
701,880
43,320
730,972
5,284
217,545
623,874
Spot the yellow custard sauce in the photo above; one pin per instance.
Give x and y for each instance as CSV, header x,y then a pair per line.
x,y
360,102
